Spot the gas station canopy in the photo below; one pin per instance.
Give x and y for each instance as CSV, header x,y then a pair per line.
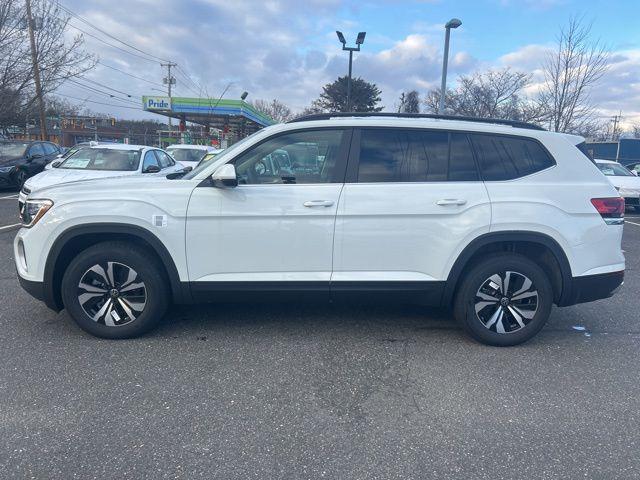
x,y
232,116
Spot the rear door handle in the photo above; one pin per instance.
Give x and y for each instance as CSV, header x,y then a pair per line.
x,y
451,201
318,203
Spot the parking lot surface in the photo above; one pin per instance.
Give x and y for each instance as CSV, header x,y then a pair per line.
x,y
318,391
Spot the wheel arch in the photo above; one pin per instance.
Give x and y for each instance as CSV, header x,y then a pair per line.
x,y
77,238
547,250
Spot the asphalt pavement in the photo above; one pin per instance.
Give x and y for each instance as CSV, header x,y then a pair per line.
x,y
318,391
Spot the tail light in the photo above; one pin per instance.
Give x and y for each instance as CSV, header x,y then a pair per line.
x,y
611,209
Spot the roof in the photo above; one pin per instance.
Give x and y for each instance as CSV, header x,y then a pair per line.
x,y
192,147
119,146
416,116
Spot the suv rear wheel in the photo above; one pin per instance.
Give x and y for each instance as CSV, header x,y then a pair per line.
x,y
504,300
115,290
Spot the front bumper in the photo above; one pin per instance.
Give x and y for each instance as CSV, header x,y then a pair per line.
x,y
590,288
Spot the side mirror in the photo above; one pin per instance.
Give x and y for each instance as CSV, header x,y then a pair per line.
x,y
187,169
56,164
635,172
225,176
151,169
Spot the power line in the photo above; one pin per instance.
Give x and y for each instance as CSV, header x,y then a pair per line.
x,y
131,75
107,87
95,90
99,103
70,12
111,44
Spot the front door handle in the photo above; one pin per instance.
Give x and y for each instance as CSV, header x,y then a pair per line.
x,y
451,201
318,203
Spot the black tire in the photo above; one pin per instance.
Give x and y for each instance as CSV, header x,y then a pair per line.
x,y
19,178
508,328
146,297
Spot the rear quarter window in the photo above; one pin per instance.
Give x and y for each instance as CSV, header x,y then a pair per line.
x,y
507,158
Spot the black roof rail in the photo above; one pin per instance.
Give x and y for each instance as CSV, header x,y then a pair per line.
x,y
499,121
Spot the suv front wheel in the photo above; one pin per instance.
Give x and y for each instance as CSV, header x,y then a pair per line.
x,y
115,290
504,300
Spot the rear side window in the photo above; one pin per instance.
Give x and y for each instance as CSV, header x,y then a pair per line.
x,y
397,155
506,158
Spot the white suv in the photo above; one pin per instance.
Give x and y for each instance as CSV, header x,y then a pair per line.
x,y
496,219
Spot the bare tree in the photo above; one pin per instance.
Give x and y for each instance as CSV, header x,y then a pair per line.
x,y
490,94
59,58
275,109
571,71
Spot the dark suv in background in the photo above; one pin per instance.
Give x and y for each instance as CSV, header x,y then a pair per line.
x,y
20,160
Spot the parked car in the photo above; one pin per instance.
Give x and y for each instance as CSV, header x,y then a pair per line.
x,y
190,155
20,160
495,219
102,161
634,168
627,184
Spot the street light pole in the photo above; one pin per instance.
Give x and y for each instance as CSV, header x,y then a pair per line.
x,y
453,23
359,42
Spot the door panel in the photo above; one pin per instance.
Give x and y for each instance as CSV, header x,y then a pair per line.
x,y
278,224
261,233
393,228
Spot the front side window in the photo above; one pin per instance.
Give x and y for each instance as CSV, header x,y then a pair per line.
x,y
102,159
150,159
300,157
49,148
406,155
164,160
36,150
506,158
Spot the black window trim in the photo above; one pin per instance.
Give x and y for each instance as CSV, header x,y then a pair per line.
x,y
354,153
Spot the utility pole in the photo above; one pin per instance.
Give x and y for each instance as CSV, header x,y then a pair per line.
x,y
36,73
169,80
616,120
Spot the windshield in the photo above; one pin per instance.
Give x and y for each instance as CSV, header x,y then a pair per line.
x,y
221,157
13,149
614,170
186,154
103,159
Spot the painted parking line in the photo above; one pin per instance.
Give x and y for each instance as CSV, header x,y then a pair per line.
x,y
10,227
15,195
632,223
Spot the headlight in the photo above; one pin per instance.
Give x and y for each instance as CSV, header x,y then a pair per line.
x,y
34,210
7,169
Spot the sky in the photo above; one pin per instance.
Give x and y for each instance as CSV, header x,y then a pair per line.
x,y
288,49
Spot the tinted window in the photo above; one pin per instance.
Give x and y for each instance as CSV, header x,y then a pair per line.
x,y
614,170
299,157
396,155
187,154
49,148
36,149
505,158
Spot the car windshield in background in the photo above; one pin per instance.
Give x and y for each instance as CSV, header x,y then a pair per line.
x,y
186,154
614,170
103,159
12,149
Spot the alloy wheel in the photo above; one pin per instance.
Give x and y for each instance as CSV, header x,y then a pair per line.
x,y
506,302
112,294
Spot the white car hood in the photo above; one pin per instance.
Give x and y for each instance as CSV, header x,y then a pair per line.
x,y
61,175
